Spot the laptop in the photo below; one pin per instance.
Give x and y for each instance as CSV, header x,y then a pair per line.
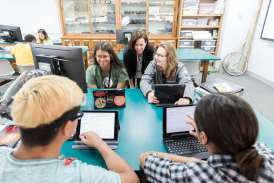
x,y
168,94
109,98
103,123
176,136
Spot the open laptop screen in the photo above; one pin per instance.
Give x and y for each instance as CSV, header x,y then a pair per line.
x,y
103,123
175,119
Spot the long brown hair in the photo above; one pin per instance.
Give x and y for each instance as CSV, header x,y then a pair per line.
x,y
231,125
171,59
105,46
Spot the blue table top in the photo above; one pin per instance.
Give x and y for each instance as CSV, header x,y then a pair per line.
x,y
7,43
188,55
195,54
141,130
6,55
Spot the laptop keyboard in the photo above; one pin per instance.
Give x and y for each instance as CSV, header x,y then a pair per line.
x,y
188,145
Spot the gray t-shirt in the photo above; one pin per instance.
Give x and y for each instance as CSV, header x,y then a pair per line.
x,y
53,170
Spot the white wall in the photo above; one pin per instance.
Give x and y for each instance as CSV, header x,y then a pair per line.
x,y
261,62
238,18
31,15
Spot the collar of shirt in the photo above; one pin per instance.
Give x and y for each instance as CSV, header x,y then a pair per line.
x,y
220,160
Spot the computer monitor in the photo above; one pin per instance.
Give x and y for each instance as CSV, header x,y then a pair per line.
x,y
60,60
10,33
123,36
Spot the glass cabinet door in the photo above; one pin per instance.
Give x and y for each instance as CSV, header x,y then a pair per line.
x,y
133,14
160,17
102,15
76,16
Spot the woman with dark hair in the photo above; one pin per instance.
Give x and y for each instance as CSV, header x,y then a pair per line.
x,y
43,37
228,128
137,56
106,71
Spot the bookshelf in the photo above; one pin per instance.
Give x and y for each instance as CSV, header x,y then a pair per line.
x,y
85,22
196,16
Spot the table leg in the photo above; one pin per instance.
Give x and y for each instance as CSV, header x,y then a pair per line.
x,y
205,70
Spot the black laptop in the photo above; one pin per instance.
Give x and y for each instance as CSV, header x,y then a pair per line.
x,y
168,94
176,136
109,98
103,123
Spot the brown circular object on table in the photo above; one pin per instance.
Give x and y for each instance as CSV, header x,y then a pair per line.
x,y
100,102
119,100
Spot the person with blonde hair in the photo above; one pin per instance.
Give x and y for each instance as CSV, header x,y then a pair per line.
x,y
166,69
46,110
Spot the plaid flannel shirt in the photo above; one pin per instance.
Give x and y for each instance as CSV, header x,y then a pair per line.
x,y
218,168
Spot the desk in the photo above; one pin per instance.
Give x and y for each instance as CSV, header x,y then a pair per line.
x,y
195,54
141,130
7,44
5,55
191,55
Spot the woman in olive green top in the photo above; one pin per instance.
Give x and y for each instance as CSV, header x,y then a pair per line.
x,y
106,71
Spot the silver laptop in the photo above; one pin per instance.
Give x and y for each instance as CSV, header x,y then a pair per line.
x,y
103,123
176,136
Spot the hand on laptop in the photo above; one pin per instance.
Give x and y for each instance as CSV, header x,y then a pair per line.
x,y
91,139
182,101
151,98
191,121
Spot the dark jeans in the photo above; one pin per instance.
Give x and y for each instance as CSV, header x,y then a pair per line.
x,y
138,82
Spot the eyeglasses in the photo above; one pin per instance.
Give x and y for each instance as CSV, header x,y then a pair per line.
x,y
160,55
78,116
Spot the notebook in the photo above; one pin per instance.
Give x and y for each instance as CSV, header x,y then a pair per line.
x,y
103,123
222,86
168,94
109,98
176,136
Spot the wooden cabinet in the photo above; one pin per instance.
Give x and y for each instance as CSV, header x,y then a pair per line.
x,y
200,18
85,22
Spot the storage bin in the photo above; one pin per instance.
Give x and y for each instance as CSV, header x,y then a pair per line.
x,y
186,34
202,21
186,43
208,48
186,46
189,22
207,8
208,42
190,11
